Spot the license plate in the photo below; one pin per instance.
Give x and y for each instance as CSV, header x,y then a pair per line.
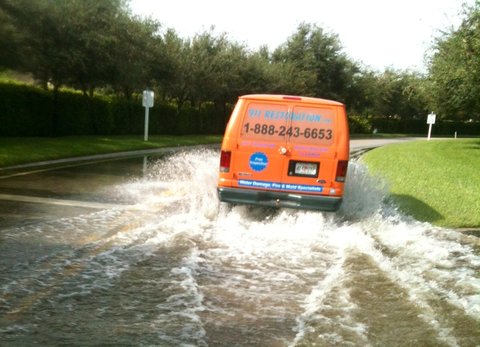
x,y
306,169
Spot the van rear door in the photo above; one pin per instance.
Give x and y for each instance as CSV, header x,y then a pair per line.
x,y
311,150
260,155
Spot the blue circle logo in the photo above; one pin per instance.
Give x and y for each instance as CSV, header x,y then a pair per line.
x,y
258,161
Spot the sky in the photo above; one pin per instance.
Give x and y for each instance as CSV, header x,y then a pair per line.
x,y
378,34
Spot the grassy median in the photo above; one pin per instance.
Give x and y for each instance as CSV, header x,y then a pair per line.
x,y
14,151
435,181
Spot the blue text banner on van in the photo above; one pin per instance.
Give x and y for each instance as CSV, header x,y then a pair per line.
x,y
280,186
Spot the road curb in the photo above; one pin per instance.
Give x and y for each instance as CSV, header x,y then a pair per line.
x,y
105,156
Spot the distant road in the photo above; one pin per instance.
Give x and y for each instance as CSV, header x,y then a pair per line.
x,y
360,144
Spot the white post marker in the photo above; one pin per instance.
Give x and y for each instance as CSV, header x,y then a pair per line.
x,y
430,121
147,102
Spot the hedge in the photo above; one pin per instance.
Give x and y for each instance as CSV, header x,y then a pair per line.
x,y
31,111
25,111
420,126
359,125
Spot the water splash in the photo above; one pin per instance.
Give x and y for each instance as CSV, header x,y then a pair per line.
x,y
207,273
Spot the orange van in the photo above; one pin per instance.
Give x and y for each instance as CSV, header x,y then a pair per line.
x,y
285,151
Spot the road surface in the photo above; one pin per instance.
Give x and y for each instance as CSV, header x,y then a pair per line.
x,y
133,252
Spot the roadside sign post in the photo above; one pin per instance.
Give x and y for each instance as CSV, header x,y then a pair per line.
x,y
430,121
147,102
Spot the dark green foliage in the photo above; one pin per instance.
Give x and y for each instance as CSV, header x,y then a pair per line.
x,y
462,128
127,116
359,124
316,63
29,111
73,115
399,126
187,122
420,126
101,117
455,69
90,45
25,111
162,119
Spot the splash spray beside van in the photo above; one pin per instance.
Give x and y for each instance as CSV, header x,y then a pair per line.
x,y
285,151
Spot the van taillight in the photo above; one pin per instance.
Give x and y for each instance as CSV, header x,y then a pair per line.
x,y
225,158
341,170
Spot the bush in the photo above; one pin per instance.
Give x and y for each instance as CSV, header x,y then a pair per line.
x,y
163,117
462,128
359,124
101,116
420,126
31,111
25,111
72,114
127,116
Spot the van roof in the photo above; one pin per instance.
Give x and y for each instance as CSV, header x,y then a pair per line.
x,y
277,97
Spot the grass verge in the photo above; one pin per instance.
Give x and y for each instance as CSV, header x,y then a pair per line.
x,y
14,151
433,181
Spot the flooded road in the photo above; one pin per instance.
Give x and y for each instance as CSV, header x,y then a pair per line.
x,y
158,261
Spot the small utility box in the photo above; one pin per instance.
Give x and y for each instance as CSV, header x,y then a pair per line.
x,y
430,121
147,102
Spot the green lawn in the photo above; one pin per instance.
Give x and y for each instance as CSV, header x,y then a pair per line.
x,y
436,181
15,151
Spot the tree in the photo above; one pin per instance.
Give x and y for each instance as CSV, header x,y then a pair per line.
x,y
454,69
135,54
315,64
67,42
400,94
363,93
64,41
176,82
10,39
85,44
92,35
258,74
206,54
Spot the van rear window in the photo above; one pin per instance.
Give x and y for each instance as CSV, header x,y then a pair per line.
x,y
276,122
259,125
313,125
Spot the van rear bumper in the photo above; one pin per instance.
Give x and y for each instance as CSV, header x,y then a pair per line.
x,y
279,199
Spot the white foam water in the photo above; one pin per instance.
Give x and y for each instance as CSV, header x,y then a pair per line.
x,y
207,273
260,247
